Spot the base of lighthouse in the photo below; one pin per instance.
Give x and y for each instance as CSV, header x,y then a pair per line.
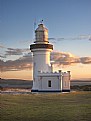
x,y
53,82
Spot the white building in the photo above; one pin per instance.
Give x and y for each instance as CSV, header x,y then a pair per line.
x,y
44,79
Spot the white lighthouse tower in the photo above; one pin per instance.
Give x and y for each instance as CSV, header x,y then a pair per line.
x,y
41,53
44,80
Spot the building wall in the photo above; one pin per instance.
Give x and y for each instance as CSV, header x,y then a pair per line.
x,y
55,83
41,59
66,82
41,62
59,81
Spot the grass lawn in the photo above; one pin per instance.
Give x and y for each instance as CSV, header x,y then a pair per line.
x,y
74,106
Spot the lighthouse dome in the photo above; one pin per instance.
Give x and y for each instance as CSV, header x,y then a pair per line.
x,y
41,34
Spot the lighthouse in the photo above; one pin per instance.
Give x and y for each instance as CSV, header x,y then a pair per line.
x,y
44,79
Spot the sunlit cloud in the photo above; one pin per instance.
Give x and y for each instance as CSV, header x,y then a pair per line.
x,y
63,58
85,60
58,58
22,63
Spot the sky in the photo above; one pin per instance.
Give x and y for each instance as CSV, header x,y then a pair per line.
x,y
69,26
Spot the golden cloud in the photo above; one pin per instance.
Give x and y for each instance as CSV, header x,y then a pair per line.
x,y
58,58
63,58
22,63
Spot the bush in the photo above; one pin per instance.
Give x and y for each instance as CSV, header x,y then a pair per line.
x,y
81,88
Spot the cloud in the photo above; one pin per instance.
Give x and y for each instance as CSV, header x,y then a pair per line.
x,y
2,56
63,58
90,38
13,51
85,60
58,58
23,63
1,50
1,46
80,37
85,36
26,41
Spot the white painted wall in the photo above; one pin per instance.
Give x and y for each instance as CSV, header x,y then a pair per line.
x,y
66,81
59,81
55,83
41,62
55,78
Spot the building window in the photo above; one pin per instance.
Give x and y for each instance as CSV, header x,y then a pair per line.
x,y
49,83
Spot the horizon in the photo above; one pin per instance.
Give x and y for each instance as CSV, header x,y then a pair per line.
x,y
81,79
69,26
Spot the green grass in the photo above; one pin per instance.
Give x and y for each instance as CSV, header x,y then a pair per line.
x,y
75,106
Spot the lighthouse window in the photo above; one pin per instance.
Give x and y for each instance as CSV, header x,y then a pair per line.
x,y
49,83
